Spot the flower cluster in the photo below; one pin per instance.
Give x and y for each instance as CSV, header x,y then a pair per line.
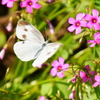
x,y
84,20
84,76
29,4
88,75
88,21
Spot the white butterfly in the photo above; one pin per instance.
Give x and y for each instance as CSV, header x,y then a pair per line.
x,y
33,45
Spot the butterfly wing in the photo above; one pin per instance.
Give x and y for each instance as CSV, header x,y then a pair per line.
x,y
26,50
26,31
46,53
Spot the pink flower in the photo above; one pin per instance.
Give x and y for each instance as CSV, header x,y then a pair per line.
x,y
42,98
88,75
29,4
96,40
74,78
9,26
8,2
97,79
59,67
50,1
93,20
72,95
87,68
50,26
2,52
77,24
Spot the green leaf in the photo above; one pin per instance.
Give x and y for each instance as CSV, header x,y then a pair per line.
x,y
45,88
63,87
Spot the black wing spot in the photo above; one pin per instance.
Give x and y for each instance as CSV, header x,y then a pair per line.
x,y
22,22
55,48
48,53
23,42
25,29
24,36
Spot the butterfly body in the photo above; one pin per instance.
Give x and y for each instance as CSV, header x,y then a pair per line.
x,y
33,45
43,45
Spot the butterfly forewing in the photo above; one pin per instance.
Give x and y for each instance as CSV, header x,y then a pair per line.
x,y
26,31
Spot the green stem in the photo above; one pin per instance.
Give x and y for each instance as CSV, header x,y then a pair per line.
x,y
18,69
23,72
45,73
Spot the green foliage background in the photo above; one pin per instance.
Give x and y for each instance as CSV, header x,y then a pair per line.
x,y
24,82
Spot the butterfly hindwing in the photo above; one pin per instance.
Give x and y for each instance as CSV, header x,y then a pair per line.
x,y
26,50
46,53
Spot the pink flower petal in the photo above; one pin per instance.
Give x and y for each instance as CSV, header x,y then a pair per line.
x,y
65,67
97,36
89,24
50,26
71,28
87,17
61,60
85,79
96,84
53,71
55,64
42,98
83,23
80,16
78,30
93,73
92,45
36,6
95,12
99,19
35,1
2,53
97,78
4,2
71,20
29,9
83,76
23,4
91,41
87,67
91,80
96,26
73,80
71,96
10,4
60,74
9,26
